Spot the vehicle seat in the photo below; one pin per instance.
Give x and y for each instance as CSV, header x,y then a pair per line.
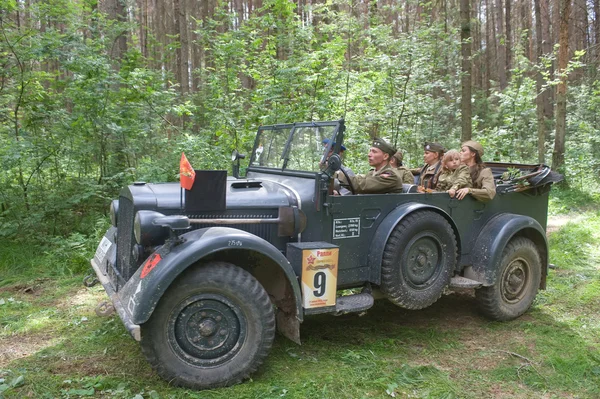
x,y
409,188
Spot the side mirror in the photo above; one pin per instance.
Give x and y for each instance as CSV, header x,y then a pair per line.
x,y
235,168
236,156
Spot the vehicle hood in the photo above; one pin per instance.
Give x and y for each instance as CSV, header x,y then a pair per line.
x,y
239,193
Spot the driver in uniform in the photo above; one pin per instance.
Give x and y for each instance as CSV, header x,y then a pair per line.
x,y
382,178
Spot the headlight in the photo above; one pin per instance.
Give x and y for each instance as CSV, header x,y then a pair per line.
x,y
114,212
145,232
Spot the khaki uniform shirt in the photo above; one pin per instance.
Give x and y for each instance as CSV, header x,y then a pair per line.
x,y
454,179
385,180
484,188
428,175
406,175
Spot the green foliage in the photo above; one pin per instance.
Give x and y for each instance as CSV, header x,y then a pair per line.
x,y
77,124
566,200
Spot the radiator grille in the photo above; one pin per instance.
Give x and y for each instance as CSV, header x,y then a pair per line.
x,y
126,266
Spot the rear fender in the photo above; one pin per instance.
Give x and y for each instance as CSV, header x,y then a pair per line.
x,y
488,248
385,228
145,288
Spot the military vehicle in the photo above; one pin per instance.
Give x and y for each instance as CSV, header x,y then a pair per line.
x,y
202,278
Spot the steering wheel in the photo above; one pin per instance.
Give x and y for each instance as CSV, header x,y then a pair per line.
x,y
350,186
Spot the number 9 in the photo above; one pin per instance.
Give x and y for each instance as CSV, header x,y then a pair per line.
x,y
319,282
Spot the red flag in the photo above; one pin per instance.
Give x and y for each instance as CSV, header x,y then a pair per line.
x,y
186,173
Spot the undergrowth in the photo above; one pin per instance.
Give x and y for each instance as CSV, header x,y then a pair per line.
x,y
53,345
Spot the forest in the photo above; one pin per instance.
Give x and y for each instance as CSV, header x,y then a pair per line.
x,y
96,94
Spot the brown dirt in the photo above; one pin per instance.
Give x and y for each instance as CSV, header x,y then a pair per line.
x,y
556,222
20,345
36,287
23,345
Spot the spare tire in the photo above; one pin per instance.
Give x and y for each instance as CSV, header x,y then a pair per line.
x,y
418,260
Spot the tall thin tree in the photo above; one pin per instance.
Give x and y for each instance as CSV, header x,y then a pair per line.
x,y
558,155
465,49
539,85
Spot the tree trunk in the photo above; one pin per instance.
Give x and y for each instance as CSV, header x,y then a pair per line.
x,y
501,45
539,83
558,155
465,50
508,39
184,48
488,50
476,48
596,53
116,12
143,6
548,95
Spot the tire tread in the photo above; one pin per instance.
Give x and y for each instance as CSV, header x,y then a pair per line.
x,y
389,266
217,273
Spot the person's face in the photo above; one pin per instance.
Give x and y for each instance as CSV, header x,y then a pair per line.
x,y
466,155
431,157
377,157
394,162
453,163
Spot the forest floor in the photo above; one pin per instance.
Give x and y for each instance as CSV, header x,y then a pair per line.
x,y
53,345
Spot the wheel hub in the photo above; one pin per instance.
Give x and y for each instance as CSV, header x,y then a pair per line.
x,y
423,261
515,280
208,329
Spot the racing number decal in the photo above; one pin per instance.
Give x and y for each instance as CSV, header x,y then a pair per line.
x,y
319,277
319,284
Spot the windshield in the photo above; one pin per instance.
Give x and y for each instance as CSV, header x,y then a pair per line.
x,y
300,146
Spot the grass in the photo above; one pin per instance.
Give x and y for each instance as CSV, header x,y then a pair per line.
x,y
52,345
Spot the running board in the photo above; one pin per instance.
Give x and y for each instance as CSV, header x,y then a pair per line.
x,y
463,282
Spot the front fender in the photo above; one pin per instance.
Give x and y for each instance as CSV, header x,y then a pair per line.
x,y
487,251
385,228
145,288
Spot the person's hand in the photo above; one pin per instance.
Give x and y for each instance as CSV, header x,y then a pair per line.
x,y
452,193
462,193
420,189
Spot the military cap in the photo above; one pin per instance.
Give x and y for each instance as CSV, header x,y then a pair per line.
x,y
475,146
434,147
399,157
384,146
326,141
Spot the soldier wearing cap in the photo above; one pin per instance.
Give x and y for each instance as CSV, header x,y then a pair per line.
x,y
429,173
382,178
484,188
396,162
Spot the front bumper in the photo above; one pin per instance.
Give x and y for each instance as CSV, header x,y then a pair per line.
x,y
99,264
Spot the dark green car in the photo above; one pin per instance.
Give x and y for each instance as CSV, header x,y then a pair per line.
x,y
203,277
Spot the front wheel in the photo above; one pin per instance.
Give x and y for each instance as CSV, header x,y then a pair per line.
x,y
517,281
213,327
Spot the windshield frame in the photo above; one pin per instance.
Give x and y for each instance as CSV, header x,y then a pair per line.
x,y
336,137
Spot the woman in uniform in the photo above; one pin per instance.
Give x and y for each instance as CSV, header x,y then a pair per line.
x,y
484,188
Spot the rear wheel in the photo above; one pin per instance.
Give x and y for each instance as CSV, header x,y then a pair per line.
x,y
517,281
213,327
418,260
